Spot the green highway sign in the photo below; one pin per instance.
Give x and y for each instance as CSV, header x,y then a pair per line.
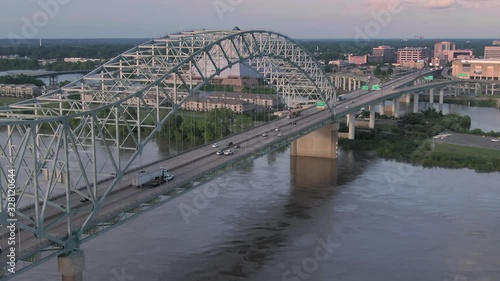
x,y
429,78
365,88
462,75
376,87
320,103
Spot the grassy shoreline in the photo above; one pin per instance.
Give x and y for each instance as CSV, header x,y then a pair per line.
x,y
410,142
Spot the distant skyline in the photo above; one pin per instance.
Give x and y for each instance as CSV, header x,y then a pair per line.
x,y
319,19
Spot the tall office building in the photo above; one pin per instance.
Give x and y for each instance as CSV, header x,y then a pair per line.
x,y
492,52
387,52
441,49
413,54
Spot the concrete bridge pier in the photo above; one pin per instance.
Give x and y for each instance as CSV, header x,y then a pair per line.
x,y
431,98
350,84
441,99
371,125
382,107
415,103
405,98
395,107
71,265
351,122
322,143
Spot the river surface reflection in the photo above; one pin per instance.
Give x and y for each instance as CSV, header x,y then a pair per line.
x,y
266,220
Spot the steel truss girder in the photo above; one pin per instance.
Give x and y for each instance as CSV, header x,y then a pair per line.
x,y
53,141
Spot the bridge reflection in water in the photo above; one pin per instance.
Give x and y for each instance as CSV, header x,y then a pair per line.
x,y
313,172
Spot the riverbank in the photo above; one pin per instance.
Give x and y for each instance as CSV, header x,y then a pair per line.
x,y
479,101
411,140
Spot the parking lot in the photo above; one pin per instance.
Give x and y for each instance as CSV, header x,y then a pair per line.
x,y
470,140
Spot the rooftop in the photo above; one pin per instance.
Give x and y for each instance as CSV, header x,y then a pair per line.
x,y
495,61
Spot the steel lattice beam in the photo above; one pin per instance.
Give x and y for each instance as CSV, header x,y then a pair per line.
x,y
52,141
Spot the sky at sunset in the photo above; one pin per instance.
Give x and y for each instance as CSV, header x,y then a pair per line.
x,y
296,18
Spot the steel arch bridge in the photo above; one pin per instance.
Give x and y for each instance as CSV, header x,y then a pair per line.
x,y
52,141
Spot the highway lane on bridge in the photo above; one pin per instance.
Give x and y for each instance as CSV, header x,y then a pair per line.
x,y
203,159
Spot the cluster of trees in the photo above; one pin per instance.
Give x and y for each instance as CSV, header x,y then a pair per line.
x,y
380,72
98,51
6,64
68,66
14,64
449,160
219,123
20,79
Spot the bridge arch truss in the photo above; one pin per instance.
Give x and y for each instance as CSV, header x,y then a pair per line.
x,y
53,141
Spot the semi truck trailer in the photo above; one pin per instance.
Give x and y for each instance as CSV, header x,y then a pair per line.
x,y
151,178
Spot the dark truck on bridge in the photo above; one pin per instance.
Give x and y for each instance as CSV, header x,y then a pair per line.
x,y
151,178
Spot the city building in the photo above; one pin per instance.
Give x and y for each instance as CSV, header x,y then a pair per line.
x,y
339,63
388,53
266,101
460,54
205,104
75,60
413,54
496,42
492,52
419,64
19,91
442,48
486,69
359,60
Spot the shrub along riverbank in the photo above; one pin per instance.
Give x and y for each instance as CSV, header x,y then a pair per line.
x,y
410,142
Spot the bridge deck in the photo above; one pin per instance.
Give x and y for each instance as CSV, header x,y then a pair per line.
x,y
193,165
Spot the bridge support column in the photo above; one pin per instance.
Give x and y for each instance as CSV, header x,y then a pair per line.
x,y
53,80
382,107
405,98
351,120
395,107
372,117
350,84
71,266
343,83
441,99
431,98
415,103
359,84
322,143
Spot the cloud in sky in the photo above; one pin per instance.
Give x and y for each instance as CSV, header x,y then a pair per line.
x,y
297,18
434,4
